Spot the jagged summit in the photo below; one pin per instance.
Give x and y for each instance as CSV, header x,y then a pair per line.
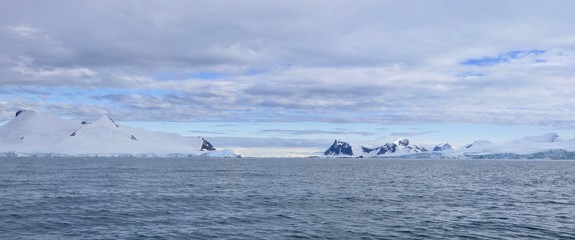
x,y
402,145
207,145
402,142
106,121
547,146
443,147
339,148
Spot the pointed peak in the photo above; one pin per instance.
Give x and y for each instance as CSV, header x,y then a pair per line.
x,y
207,145
107,121
339,148
443,147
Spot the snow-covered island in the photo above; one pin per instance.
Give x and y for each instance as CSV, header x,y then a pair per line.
x,y
547,146
32,133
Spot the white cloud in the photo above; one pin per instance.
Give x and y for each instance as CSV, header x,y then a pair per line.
x,y
370,61
24,30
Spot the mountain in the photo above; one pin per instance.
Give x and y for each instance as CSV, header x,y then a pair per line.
x,y
35,134
547,146
344,149
339,148
442,147
404,146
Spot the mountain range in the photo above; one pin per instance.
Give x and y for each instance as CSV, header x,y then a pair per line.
x,y
31,133
547,146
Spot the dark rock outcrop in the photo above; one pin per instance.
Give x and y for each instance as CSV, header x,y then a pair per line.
x,y
113,121
420,148
339,148
387,148
21,111
478,143
207,146
442,147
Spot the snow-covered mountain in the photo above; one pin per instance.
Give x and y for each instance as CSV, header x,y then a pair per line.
x,y
531,147
339,148
443,147
35,134
400,146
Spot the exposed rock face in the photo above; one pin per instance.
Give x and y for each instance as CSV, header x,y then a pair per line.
x,y
30,133
403,142
21,111
387,148
402,145
339,148
112,120
207,146
420,148
478,143
442,147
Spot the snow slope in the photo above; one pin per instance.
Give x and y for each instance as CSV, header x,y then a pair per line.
x,y
399,147
35,134
547,146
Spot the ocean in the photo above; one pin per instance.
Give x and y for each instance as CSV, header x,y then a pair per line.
x,y
188,198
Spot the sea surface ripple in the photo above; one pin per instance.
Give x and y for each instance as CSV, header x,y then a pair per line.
x,y
180,198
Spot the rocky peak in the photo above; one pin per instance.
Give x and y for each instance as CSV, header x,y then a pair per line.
x,y
402,142
387,148
106,121
442,147
207,146
339,148
23,111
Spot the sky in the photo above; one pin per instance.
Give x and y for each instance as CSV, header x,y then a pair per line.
x,y
275,78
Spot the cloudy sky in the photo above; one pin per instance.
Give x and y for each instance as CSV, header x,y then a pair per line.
x,y
296,74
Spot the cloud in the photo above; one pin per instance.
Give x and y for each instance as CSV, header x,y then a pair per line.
x,y
206,132
410,134
387,62
251,142
338,131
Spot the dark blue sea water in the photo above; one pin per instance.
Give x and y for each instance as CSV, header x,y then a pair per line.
x,y
132,198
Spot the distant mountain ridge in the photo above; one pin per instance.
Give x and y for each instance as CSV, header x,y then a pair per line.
x,y
544,146
400,146
36,134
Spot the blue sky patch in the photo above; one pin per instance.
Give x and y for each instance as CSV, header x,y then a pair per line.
x,y
207,75
502,58
470,74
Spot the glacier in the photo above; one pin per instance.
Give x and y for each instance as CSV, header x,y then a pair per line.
x,y
35,134
547,146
